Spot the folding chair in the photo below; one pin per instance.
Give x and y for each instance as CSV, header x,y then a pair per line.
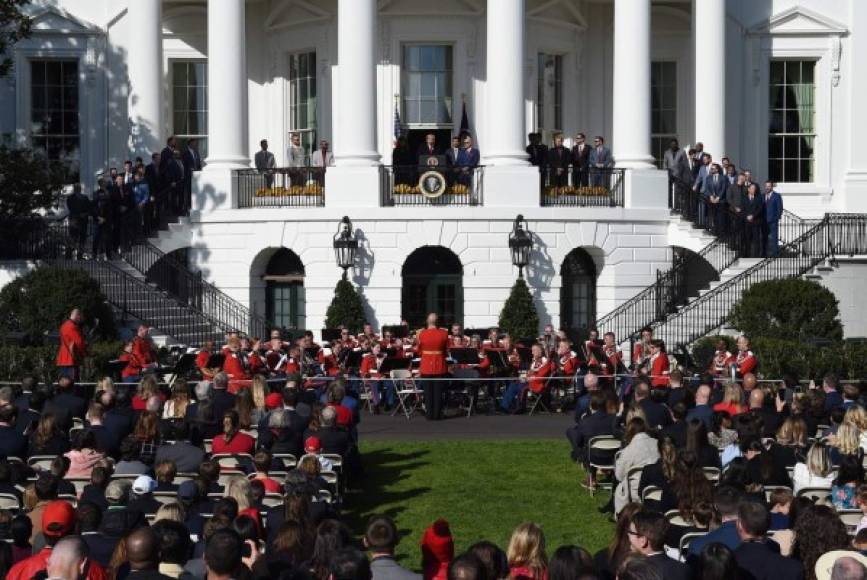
x,y
79,483
68,497
651,493
324,496
600,457
272,500
537,398
365,395
336,461
9,501
633,475
43,461
207,445
289,460
686,540
232,461
711,473
851,519
470,389
770,489
816,494
675,518
165,497
227,475
406,390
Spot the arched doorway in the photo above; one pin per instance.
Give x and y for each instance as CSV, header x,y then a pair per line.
x,y
284,290
578,293
432,282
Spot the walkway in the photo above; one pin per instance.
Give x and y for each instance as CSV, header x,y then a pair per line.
x,y
477,427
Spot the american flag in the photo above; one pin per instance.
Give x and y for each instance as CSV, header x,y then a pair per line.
x,y
397,128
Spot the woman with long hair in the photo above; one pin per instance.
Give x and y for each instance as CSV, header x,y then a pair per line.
x,y
849,477
526,553
331,536
722,435
818,531
569,563
790,446
47,439
244,406
259,390
231,440
846,441
817,471
698,444
761,464
146,433
639,449
608,560
287,551
147,388
733,400
176,407
690,484
660,474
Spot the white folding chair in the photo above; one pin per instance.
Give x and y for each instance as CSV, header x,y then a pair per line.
x,y
686,540
406,391
711,473
336,461
675,518
43,461
272,500
851,519
289,460
651,493
68,497
816,494
602,446
9,501
165,497
633,476
232,460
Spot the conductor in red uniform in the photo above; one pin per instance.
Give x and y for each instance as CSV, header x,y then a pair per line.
x,y
70,354
433,343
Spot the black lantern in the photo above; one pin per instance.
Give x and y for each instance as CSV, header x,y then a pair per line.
x,y
520,243
345,245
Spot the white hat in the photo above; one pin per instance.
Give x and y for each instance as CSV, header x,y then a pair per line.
x,y
143,484
825,563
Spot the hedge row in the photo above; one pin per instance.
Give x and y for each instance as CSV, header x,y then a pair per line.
x,y
848,360
18,361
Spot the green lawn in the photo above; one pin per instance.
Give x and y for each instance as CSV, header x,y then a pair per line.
x,y
483,488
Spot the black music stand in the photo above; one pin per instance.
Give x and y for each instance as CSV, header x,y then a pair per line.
x,y
397,330
482,333
499,359
312,352
465,356
216,360
393,364
526,357
353,359
183,368
115,367
331,334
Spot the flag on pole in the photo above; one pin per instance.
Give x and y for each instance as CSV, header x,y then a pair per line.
x,y
398,131
465,120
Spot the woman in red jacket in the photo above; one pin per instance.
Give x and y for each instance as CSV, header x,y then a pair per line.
x,y
231,440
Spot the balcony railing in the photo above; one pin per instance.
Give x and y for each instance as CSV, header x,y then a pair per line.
x,y
572,187
281,187
400,186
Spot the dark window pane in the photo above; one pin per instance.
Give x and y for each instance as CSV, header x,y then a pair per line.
x,y
775,170
790,170
776,72
179,73
70,73
793,72
775,147
37,72
53,73
806,171
790,147
54,95
70,123
808,69
70,97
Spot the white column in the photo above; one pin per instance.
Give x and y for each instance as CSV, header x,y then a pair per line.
x,y
631,127
227,85
355,142
710,89
504,86
145,71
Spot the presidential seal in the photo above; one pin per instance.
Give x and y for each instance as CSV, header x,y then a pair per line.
x,y
432,184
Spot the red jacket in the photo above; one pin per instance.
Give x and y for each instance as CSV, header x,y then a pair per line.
x,y
27,569
344,415
432,346
133,366
745,361
537,375
569,364
659,370
144,350
240,443
369,366
72,345
613,360
202,364
233,366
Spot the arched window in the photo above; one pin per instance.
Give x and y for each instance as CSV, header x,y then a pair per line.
x,y
578,292
284,290
432,282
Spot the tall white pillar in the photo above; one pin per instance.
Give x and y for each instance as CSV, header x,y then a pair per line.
x,y
227,85
631,127
710,61
145,71
504,90
355,143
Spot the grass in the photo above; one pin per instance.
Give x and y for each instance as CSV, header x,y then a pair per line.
x,y
482,488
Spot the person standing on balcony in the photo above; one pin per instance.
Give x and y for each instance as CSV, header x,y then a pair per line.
x,y
468,157
600,162
559,159
153,209
296,159
433,342
773,214
580,161
754,213
192,162
452,154
72,348
322,158
428,148
735,198
78,206
402,163
675,162
265,163
714,195
699,186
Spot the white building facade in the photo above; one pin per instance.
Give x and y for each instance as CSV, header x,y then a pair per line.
x,y
772,84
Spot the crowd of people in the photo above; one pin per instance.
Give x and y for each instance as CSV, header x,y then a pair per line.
x,y
131,203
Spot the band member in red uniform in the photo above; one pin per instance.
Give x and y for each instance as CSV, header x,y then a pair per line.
x,y
537,377
70,353
202,359
255,361
131,373
658,364
613,363
641,350
493,340
143,348
370,365
568,362
234,364
719,366
744,361
433,343
457,338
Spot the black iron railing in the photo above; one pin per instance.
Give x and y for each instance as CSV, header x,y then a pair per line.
x,y
281,187
835,234
573,187
133,298
400,185
172,276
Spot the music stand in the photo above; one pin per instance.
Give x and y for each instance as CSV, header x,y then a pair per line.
x,y
183,367
393,364
396,330
482,333
312,352
331,334
353,359
216,360
498,358
115,367
526,357
465,356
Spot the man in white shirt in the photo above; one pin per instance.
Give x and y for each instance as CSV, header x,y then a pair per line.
x,y
322,158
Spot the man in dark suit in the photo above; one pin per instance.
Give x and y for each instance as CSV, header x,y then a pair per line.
x,y
79,209
468,158
452,154
694,165
600,161
735,200
12,443
726,502
559,159
429,147
536,150
658,415
381,539
153,210
221,399
597,423
143,555
754,212
758,558
119,418
773,214
647,533
580,161
332,438
65,405
714,195
186,456
192,161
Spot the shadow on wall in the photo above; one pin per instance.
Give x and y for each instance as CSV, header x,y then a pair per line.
x,y
361,272
540,273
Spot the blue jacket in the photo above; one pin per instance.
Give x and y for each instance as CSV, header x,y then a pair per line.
x,y
773,208
726,534
603,157
703,172
141,191
718,189
468,158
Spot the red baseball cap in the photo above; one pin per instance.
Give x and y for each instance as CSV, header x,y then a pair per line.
x,y
312,444
58,519
274,401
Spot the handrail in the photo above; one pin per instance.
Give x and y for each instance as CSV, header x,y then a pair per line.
x,y
833,235
189,288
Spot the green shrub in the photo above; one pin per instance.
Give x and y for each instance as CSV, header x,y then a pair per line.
x,y
704,348
18,361
805,361
346,308
791,309
519,317
42,299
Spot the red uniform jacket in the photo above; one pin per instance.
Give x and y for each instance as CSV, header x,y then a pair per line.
x,y
745,361
369,366
27,569
133,366
538,373
569,364
233,366
720,363
72,345
659,370
202,363
257,364
432,346
613,360
144,350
